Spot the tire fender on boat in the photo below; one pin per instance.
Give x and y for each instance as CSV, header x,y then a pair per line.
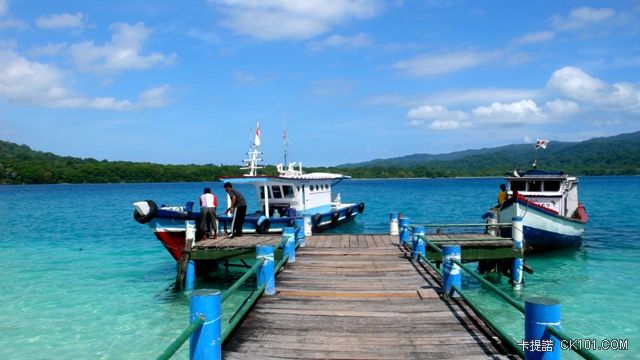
x,y
262,225
143,213
361,208
315,220
335,217
348,213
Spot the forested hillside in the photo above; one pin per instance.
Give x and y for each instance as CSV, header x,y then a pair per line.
x,y
616,155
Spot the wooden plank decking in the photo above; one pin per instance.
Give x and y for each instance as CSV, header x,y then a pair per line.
x,y
340,301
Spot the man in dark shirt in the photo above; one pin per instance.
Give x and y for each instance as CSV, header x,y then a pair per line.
x,y
240,206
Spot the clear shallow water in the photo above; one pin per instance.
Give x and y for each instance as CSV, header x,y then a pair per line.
x,y
83,280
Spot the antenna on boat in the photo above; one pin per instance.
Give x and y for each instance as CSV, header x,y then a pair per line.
x,y
253,155
284,141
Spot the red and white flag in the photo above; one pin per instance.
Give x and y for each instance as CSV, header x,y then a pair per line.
x,y
256,140
542,144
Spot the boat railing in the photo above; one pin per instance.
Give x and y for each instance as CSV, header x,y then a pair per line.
x,y
206,304
541,315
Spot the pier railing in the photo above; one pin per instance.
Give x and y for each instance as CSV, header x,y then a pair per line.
x,y
205,331
543,336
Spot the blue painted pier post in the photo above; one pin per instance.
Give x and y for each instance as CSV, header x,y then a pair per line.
x,y
299,224
307,224
266,272
206,342
517,233
289,243
451,274
190,277
405,233
393,224
417,245
540,312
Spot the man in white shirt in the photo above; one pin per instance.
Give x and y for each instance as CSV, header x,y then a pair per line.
x,y
208,218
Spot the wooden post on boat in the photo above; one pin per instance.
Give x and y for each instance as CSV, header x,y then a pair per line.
x,y
299,226
289,243
417,245
450,271
183,263
393,223
206,342
539,313
517,233
405,233
266,271
307,225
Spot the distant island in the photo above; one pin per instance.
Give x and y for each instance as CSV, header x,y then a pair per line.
x,y
614,155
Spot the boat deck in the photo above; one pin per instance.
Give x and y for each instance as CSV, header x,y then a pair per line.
x,y
360,297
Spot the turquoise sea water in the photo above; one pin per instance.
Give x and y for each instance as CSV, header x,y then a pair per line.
x,y
83,280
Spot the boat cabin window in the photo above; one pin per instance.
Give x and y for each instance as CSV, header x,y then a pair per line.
x,y
275,190
518,185
262,193
311,187
287,191
535,185
552,186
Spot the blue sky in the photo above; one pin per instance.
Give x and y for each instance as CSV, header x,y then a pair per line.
x,y
185,82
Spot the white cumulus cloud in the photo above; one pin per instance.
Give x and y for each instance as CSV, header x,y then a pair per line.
x,y
123,52
342,42
428,65
582,17
536,37
28,82
61,21
575,84
291,19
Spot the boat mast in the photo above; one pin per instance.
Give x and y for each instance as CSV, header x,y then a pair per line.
x,y
254,154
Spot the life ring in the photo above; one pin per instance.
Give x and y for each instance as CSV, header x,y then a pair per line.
x,y
263,226
334,218
360,208
315,220
348,213
143,219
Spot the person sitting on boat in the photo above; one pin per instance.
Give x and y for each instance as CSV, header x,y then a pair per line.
x,y
208,218
502,195
240,206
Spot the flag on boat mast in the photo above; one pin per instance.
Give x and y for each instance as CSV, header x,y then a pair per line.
x,y
542,144
256,139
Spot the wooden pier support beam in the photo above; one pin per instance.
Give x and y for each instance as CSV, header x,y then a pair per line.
x,y
206,342
451,274
300,235
405,233
539,313
417,245
289,243
518,262
393,224
266,271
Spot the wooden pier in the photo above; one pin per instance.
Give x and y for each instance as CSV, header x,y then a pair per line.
x,y
474,246
360,297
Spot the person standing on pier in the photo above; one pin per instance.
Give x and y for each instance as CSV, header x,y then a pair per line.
x,y
208,218
240,206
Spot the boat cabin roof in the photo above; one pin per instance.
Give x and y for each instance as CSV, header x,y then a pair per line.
x,y
284,179
535,174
